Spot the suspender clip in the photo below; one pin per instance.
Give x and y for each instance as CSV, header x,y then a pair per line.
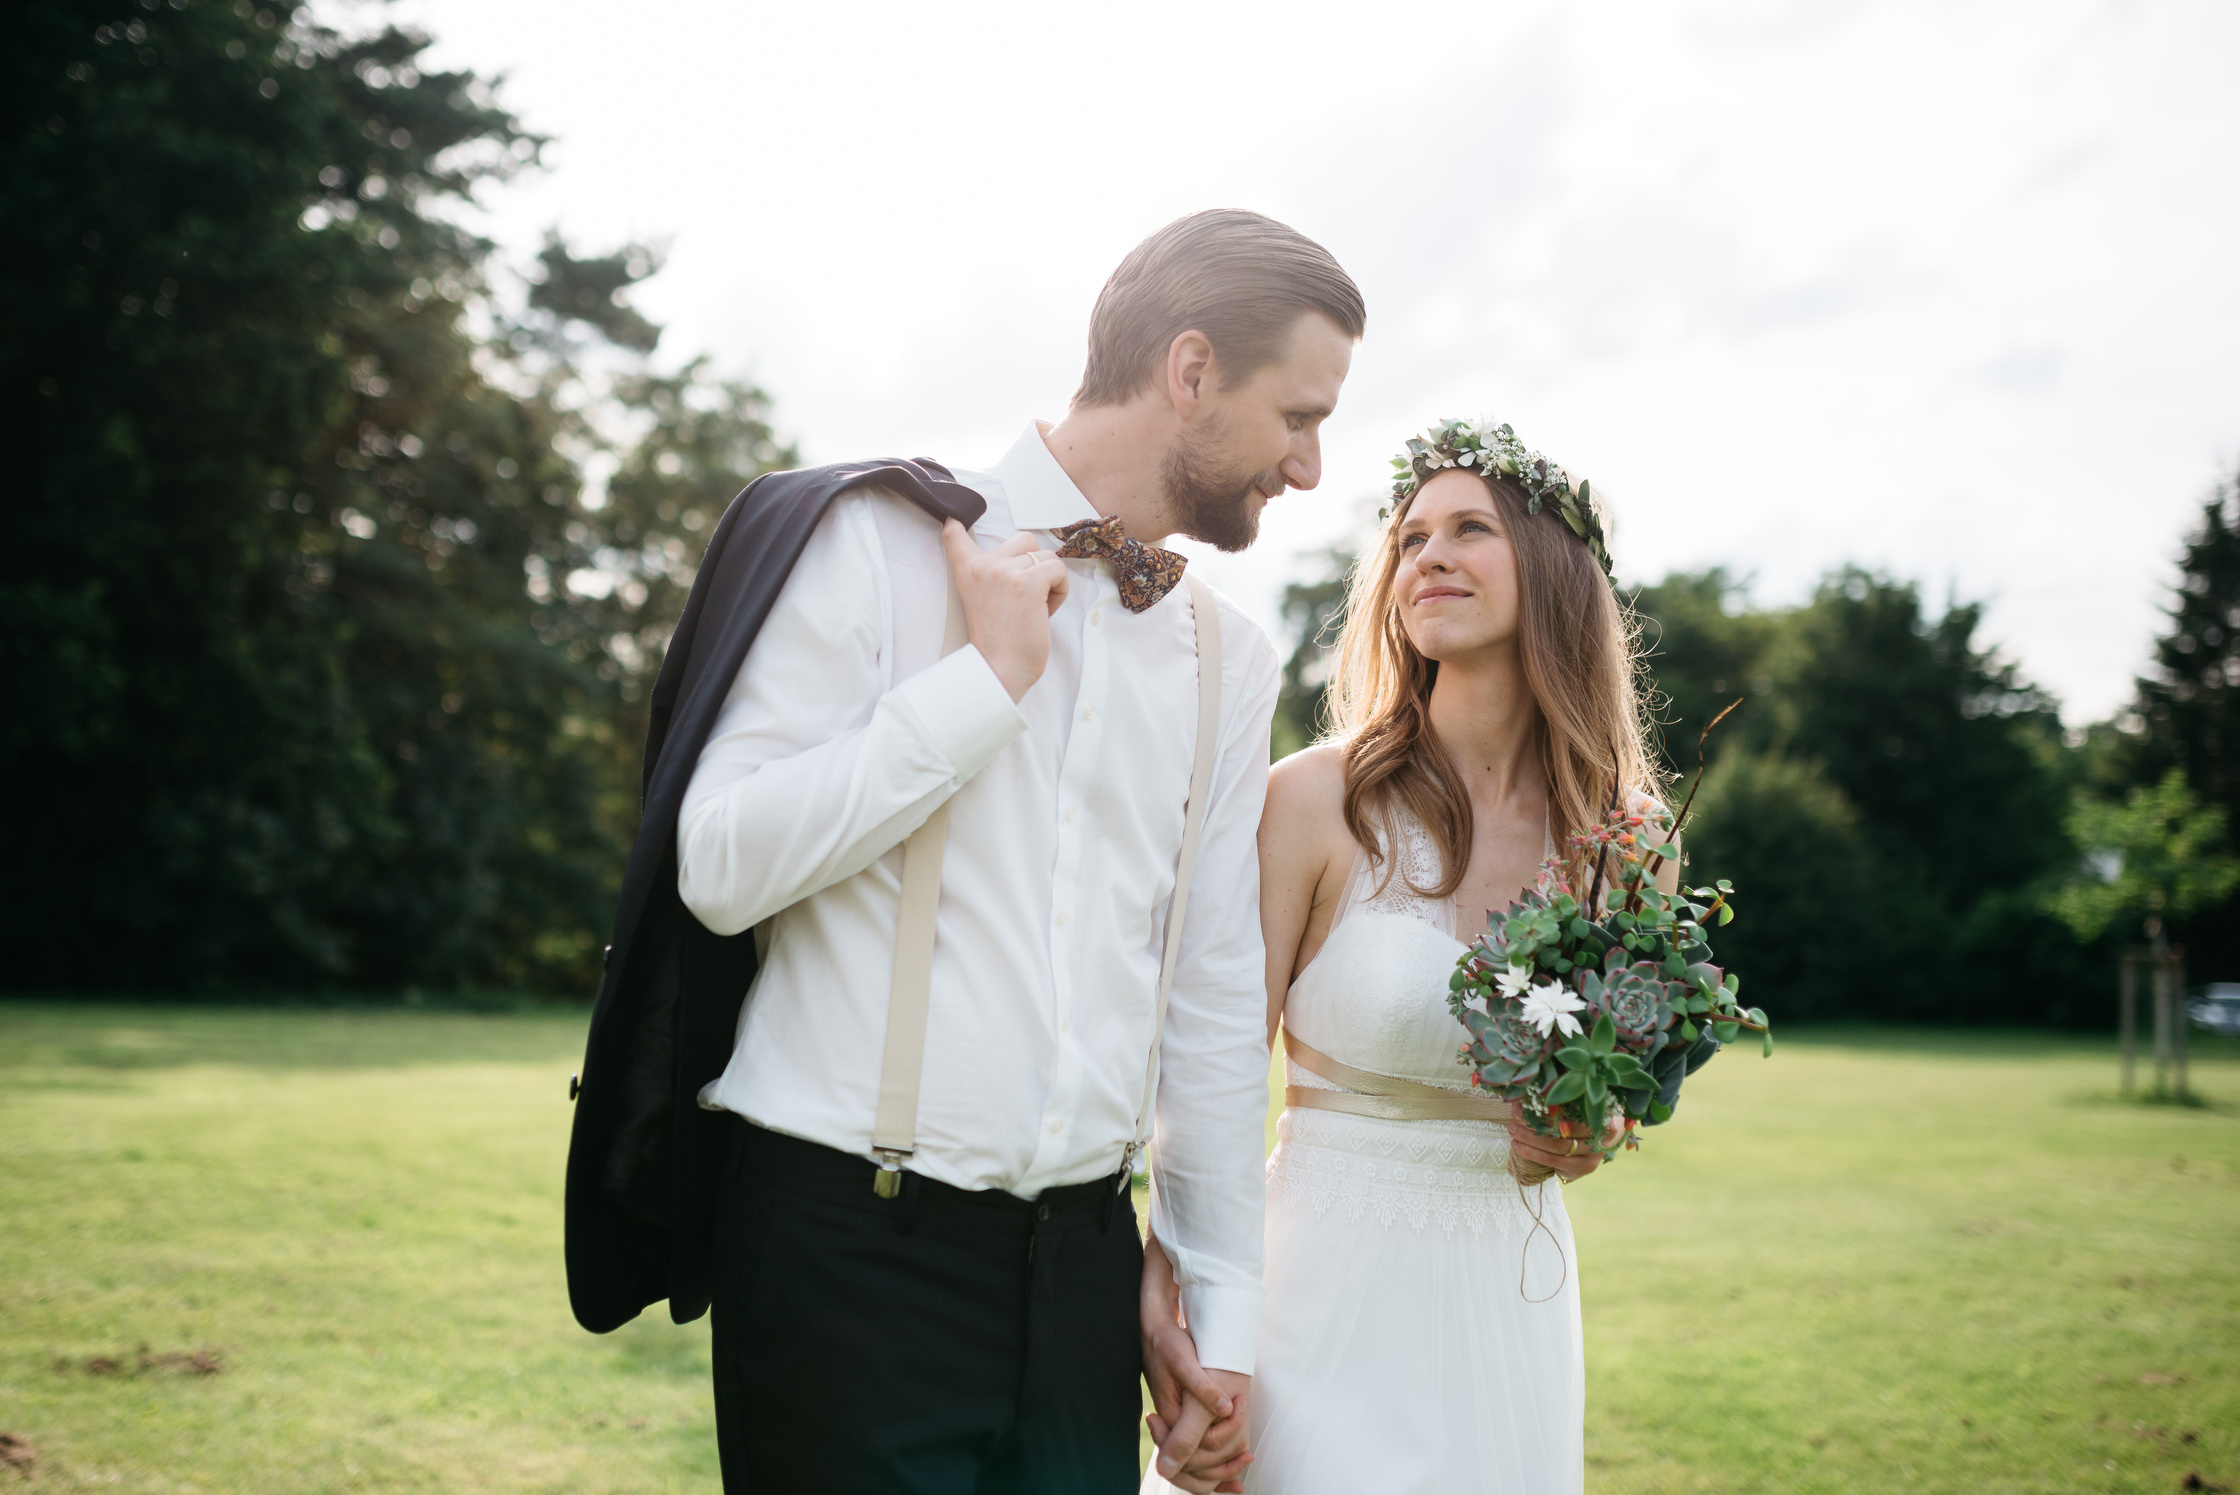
x,y
887,1182
1128,1167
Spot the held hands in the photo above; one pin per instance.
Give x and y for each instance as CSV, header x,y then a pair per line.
x,y
1198,1416
1009,594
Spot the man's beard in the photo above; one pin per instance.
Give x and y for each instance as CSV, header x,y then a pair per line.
x,y
1209,503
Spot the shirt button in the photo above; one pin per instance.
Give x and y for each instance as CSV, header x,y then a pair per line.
x,y
1069,817
1056,1127
1065,1025
1060,921
1094,614
1088,713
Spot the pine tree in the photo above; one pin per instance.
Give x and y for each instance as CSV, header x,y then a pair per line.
x,y
2188,704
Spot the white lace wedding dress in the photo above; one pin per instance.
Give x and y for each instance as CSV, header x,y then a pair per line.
x,y
1422,1331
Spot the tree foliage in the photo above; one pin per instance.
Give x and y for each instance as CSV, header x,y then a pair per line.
x,y
323,659
2159,854
2187,712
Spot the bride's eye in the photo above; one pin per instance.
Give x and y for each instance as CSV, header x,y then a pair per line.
x,y
1410,540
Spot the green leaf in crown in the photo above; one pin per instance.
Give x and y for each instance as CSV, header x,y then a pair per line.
x,y
1493,450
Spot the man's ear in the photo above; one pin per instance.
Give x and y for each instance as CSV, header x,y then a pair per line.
x,y
1189,372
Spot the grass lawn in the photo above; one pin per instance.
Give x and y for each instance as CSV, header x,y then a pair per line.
x,y
309,1251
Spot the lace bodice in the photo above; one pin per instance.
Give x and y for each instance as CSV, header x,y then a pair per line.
x,y
1375,996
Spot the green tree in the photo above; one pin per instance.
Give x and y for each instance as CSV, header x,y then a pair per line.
x,y
2188,704
1314,610
1813,934
2157,856
1705,649
1879,735
320,656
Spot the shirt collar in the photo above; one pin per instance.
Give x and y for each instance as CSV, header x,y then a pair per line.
x,y
1040,494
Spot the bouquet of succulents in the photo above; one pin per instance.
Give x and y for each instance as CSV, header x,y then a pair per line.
x,y
1587,1014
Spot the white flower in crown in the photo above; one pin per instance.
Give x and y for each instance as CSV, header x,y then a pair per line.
x,y
1492,449
1549,1006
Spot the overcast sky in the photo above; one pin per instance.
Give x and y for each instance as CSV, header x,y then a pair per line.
x,y
1944,289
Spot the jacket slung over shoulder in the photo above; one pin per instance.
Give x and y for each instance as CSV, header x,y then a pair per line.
x,y
645,1163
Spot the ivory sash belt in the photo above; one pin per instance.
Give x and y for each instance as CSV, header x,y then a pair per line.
x,y
1385,1097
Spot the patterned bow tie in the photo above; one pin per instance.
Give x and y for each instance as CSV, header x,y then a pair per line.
x,y
1144,573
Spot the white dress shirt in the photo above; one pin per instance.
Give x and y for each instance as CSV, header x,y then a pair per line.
x,y
845,729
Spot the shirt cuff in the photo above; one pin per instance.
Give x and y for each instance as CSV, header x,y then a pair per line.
x,y
963,710
1224,1324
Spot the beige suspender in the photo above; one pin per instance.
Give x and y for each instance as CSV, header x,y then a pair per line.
x,y
1208,614
894,1132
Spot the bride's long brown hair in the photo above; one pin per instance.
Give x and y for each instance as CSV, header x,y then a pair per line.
x,y
1579,650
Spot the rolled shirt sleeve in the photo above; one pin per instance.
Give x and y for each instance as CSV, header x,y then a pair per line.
x,y
816,767
1209,1146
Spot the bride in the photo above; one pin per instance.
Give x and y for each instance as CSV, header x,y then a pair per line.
x,y
1422,1326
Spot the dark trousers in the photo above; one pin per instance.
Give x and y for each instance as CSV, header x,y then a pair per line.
x,y
947,1340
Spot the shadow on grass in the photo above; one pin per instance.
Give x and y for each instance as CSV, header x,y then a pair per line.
x,y
1981,1043
2142,1100
69,1043
650,1345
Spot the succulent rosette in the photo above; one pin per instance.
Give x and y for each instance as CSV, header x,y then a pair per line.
x,y
1588,1014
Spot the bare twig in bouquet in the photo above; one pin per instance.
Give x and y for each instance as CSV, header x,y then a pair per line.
x,y
1703,740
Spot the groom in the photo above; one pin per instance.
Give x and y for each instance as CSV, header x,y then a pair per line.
x,y
961,1314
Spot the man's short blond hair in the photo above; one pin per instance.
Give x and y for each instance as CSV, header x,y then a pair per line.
x,y
1242,279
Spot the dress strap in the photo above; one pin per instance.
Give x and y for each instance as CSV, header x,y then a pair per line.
x,y
1386,1097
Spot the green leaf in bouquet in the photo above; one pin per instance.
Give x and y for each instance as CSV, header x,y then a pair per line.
x,y
1458,980
1659,1113
1688,1029
1574,1056
1769,1044
1626,1073
1604,1038
1674,966
1725,1032
1733,983
1598,1091
1569,1088
1726,914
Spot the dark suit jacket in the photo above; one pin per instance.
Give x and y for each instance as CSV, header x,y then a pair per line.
x,y
644,1161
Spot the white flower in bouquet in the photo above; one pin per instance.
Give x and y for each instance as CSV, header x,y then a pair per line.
x,y
1549,1006
1515,982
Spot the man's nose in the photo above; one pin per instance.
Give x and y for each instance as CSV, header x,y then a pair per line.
x,y
1303,468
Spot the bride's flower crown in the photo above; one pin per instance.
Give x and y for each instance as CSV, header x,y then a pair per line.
x,y
1494,451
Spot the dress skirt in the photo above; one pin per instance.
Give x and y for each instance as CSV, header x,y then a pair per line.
x,y
1422,1333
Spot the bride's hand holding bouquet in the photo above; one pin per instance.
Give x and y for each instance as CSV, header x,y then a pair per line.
x,y
1588,1014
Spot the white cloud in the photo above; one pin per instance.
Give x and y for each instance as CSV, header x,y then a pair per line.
x,y
1937,288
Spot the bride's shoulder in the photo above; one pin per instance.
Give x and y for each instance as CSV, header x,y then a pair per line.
x,y
1311,781
1304,843
1306,809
